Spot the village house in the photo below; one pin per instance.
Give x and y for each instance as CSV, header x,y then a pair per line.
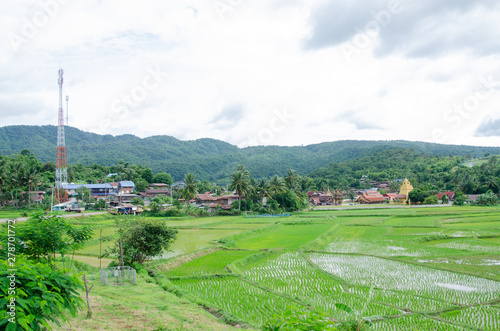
x,y
35,196
97,191
125,187
212,202
472,198
153,193
449,194
371,197
391,197
319,198
155,186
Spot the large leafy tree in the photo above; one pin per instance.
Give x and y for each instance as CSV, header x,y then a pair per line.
x,y
240,183
163,177
45,235
143,239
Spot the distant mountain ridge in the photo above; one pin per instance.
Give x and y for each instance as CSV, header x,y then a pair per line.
x,y
207,158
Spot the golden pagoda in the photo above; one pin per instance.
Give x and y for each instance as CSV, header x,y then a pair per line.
x,y
405,189
329,193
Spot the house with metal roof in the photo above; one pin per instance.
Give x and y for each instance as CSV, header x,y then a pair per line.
x,y
97,190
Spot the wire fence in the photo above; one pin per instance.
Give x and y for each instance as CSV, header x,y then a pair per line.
x,y
118,276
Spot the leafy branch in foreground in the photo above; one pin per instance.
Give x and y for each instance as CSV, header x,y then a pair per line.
x,y
40,295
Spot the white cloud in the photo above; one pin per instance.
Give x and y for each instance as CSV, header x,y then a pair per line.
x,y
251,64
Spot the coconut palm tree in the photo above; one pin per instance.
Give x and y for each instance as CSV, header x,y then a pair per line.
x,y
190,189
276,185
15,172
3,175
263,189
31,176
291,179
239,183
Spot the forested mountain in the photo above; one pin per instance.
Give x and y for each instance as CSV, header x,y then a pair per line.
x,y
206,158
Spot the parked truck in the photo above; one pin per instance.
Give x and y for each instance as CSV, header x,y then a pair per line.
x,y
76,207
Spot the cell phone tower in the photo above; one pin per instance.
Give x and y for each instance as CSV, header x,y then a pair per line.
x,y
61,170
67,111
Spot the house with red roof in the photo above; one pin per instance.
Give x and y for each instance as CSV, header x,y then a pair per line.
x,y
449,194
371,197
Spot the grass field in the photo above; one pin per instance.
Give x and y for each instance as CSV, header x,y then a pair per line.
x,y
14,213
414,268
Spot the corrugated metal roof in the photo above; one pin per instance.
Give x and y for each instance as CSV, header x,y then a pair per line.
x,y
126,183
89,186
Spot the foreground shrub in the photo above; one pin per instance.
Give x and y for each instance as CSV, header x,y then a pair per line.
x,y
34,294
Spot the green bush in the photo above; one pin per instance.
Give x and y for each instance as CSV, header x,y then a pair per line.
x,y
487,199
460,199
40,295
431,200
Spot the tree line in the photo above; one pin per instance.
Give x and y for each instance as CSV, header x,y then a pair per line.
x,y
428,174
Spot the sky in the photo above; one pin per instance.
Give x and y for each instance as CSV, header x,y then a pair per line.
x,y
282,72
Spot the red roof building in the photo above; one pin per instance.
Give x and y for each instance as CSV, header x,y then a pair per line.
x,y
449,194
370,197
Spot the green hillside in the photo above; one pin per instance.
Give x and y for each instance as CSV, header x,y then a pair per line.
x,y
207,158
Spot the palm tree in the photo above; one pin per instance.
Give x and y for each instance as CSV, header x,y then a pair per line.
x,y
291,179
263,189
16,178
252,192
305,183
3,176
239,183
32,176
190,189
276,185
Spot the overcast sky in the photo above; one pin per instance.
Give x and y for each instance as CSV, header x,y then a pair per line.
x,y
283,72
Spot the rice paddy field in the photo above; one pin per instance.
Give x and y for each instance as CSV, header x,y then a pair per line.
x,y
408,268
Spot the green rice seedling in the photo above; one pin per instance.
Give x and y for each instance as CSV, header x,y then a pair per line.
x,y
466,244
284,236
413,221
384,247
392,275
412,231
192,240
484,317
237,297
214,263
474,225
290,274
415,322
401,300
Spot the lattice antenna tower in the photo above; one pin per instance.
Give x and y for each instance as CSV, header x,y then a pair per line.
x,y
61,170
67,111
